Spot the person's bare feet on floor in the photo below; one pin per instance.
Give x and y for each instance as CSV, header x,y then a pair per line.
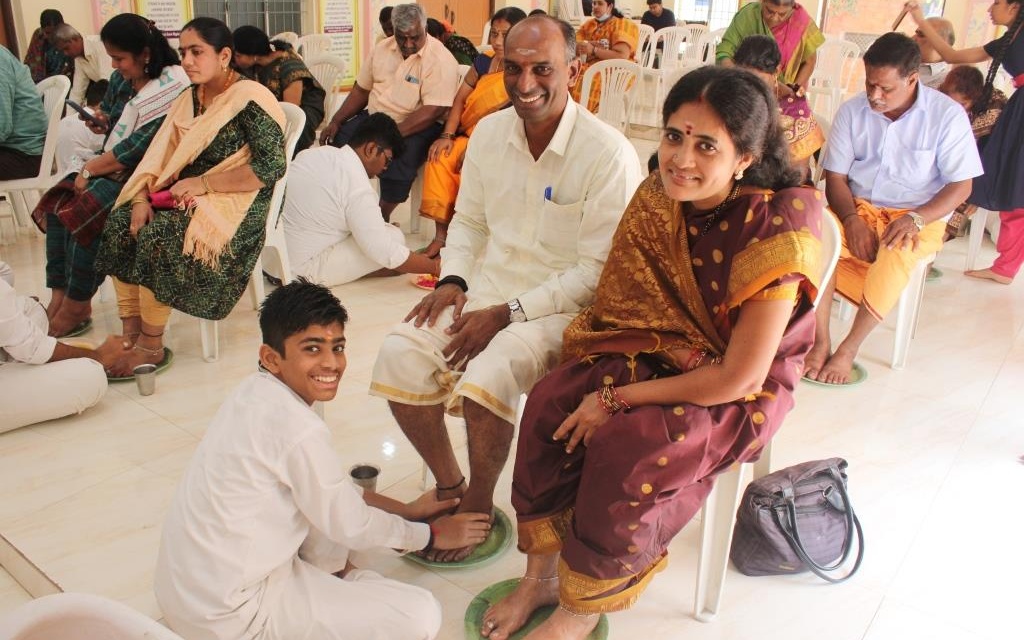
x,y
988,274
838,368
815,360
70,314
458,555
563,625
509,614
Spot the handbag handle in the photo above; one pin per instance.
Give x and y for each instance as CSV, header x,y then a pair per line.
x,y
852,523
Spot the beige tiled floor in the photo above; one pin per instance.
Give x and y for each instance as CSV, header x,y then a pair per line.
x,y
932,451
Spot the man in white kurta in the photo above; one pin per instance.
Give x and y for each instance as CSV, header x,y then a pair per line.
x,y
543,188
40,378
265,482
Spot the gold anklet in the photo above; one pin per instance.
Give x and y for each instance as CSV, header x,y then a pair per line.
x,y
577,615
537,579
148,352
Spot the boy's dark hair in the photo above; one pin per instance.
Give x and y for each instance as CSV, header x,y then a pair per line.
x,y
381,130
435,29
95,92
894,50
758,52
295,306
385,14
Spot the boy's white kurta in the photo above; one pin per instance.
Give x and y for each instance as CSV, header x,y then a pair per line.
x,y
263,516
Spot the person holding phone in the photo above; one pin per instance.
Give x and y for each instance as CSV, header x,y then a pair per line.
x,y
146,80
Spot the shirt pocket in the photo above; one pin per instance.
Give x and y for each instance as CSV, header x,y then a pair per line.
x,y
405,95
913,168
560,224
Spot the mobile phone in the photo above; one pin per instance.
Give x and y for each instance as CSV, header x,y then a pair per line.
x,y
82,111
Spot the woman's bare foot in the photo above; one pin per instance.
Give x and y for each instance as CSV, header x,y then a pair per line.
x,y
131,327
562,625
988,274
70,314
508,615
838,368
147,350
815,360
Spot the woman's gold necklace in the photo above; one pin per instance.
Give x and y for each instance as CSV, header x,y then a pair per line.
x,y
232,76
714,214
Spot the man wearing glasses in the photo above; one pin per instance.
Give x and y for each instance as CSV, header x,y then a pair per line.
x,y
332,223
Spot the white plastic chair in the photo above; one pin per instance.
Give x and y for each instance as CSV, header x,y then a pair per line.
x,y
619,85
314,44
645,46
328,69
673,41
718,516
80,616
979,221
571,11
835,64
290,37
24,192
697,34
295,120
485,39
707,46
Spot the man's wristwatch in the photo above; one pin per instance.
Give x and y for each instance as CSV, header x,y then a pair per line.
x,y
85,173
515,311
916,218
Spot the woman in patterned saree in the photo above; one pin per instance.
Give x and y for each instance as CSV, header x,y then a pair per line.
x,y
684,365
482,93
147,79
217,157
608,35
281,70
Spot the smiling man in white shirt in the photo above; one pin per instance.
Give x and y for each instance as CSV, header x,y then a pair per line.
x,y
332,222
543,188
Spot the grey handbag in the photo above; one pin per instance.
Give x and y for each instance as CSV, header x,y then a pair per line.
x,y
798,519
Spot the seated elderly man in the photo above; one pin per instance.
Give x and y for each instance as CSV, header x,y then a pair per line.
x,y
332,224
92,64
933,69
40,378
43,58
543,187
21,142
901,157
411,77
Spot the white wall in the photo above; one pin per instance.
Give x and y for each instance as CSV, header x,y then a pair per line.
x,y
77,13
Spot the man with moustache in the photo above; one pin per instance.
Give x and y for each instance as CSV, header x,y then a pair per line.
x,y
901,158
411,77
543,187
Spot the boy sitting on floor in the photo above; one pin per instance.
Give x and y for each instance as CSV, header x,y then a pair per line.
x,y
257,540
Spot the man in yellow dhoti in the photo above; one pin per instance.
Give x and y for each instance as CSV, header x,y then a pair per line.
x,y
900,158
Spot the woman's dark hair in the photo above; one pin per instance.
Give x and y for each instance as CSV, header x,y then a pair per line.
x,y
511,15
538,12
296,306
134,34
748,109
213,32
435,29
894,50
615,10
758,52
1002,46
50,18
385,14
253,41
380,129
966,80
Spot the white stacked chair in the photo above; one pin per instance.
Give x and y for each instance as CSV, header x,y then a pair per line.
x,y
328,69
571,11
707,46
645,47
314,44
835,65
620,81
698,32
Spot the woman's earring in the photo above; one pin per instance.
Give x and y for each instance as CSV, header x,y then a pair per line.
x,y
738,175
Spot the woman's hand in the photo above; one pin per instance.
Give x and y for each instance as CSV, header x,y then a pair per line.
x,y
99,125
914,10
142,214
441,145
186,189
427,505
582,423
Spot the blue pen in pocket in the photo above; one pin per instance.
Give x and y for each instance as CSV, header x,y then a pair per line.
x,y
547,193
412,79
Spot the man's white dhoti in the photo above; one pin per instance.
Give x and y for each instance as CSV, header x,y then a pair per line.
x,y
411,368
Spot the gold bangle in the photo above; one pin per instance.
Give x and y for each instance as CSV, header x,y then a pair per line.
x,y
140,200
206,184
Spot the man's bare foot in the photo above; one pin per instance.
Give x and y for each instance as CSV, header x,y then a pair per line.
x,y
508,615
562,625
815,360
56,299
71,314
469,504
838,368
433,249
988,274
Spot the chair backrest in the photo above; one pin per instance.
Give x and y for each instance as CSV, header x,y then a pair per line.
x,y
52,90
672,76
673,41
619,83
328,69
697,33
707,46
485,38
290,37
295,121
824,101
831,243
314,44
835,64
463,70
571,11
645,46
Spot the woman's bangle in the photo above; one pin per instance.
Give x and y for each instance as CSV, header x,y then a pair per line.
x,y
206,184
610,400
140,200
447,136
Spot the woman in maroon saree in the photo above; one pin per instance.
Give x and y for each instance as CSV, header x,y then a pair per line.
x,y
684,365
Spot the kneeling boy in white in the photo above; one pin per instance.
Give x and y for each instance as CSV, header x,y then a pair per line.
x,y
265,513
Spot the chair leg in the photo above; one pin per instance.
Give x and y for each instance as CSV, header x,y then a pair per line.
x,y
22,212
976,237
716,523
256,289
906,314
208,335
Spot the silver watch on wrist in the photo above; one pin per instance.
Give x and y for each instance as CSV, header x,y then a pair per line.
x,y
515,311
916,218
85,173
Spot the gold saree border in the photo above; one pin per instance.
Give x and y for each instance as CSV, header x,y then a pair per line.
x,y
763,262
544,535
584,595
